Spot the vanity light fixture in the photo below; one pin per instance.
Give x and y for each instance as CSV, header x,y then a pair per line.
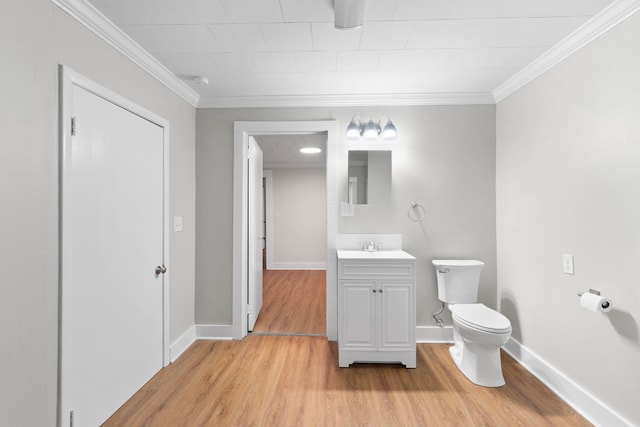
x,y
389,130
310,150
353,130
372,130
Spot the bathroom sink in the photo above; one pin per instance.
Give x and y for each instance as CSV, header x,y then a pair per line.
x,y
381,255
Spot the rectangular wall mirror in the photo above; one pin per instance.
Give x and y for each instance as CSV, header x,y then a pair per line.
x,y
369,176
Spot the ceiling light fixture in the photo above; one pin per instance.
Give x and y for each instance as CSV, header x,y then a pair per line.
x,y
371,130
310,150
348,13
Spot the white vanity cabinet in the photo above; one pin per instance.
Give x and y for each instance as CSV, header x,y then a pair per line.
x,y
376,307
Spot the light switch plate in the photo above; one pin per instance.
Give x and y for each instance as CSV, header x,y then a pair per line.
x,y
177,223
567,264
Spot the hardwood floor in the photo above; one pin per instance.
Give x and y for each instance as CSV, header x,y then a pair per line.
x,y
294,302
295,380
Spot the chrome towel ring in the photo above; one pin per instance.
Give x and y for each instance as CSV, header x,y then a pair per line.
x,y
420,212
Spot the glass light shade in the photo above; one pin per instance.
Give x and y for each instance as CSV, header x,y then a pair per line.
x,y
370,130
310,150
389,131
353,130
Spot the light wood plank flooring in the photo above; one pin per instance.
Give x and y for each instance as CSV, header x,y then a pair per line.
x,y
295,381
294,302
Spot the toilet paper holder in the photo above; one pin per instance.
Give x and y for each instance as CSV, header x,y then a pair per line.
x,y
591,291
605,305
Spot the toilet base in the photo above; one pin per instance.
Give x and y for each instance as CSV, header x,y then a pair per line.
x,y
478,362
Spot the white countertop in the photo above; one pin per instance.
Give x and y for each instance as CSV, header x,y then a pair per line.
x,y
379,255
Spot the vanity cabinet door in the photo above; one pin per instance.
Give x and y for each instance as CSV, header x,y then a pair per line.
x,y
396,315
359,315
376,312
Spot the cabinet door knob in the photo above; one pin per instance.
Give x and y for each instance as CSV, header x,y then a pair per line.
x,y
374,291
380,290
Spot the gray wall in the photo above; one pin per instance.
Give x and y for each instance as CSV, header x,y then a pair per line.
x,y
568,181
35,36
299,216
444,159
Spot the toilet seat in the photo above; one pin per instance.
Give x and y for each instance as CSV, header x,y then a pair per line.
x,y
480,317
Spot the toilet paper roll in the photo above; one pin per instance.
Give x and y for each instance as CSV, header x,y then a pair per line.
x,y
595,302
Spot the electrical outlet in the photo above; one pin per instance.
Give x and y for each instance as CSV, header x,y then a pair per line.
x,y
567,264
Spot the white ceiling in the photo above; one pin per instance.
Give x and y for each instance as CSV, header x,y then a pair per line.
x,y
283,151
261,51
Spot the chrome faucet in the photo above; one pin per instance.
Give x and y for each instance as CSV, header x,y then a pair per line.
x,y
371,247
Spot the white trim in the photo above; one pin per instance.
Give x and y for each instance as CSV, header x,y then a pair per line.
x,y
182,343
86,14
286,165
348,100
434,334
242,131
214,332
67,79
268,189
577,397
614,14
320,265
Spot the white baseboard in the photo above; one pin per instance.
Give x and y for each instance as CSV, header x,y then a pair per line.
x,y
182,343
578,398
434,334
297,266
214,332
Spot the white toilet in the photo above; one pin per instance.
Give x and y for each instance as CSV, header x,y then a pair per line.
x,y
478,331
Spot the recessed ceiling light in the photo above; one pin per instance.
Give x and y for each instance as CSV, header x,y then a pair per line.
x,y
310,150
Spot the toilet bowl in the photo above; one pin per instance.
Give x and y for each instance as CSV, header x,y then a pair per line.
x,y
478,331
478,334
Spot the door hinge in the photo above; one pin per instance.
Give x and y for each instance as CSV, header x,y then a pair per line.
x,y
71,419
73,126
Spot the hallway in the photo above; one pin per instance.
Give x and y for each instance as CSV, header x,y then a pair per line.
x,y
294,303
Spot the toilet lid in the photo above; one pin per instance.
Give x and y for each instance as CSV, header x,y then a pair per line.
x,y
457,263
481,317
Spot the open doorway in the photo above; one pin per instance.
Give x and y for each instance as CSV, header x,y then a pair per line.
x,y
242,133
294,278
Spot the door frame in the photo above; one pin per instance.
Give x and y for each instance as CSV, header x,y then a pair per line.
x,y
67,80
268,216
258,229
242,131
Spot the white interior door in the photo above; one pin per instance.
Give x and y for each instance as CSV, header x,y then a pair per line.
x,y
113,203
256,233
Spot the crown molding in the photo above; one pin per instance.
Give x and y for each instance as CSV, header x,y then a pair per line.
x,y
86,14
294,165
351,100
613,15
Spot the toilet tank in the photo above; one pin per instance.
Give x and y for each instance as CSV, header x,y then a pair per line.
x,y
458,280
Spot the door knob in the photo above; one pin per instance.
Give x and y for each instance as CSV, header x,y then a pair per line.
x,y
161,269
